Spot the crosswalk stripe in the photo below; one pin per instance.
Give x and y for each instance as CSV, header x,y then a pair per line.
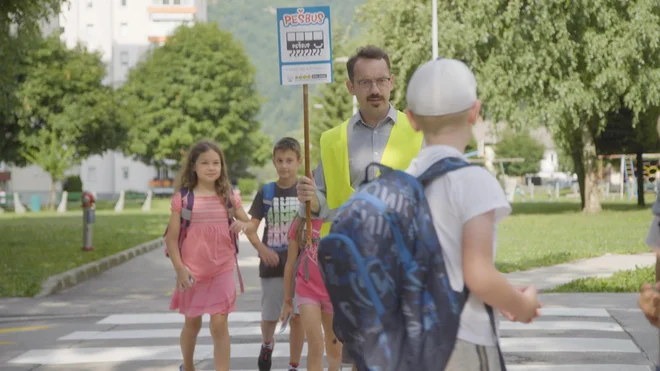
x,y
574,312
568,345
256,330
171,317
581,367
255,316
125,354
561,326
144,353
155,333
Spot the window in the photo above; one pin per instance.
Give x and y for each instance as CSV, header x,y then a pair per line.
x,y
123,2
123,29
91,174
90,31
125,172
90,4
123,59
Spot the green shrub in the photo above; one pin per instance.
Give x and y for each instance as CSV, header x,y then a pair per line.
x,y
73,184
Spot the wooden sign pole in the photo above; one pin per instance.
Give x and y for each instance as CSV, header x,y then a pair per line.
x,y
308,172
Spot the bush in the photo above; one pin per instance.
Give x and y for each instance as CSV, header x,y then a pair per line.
x,y
73,184
247,186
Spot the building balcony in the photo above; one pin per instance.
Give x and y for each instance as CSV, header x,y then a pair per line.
x,y
172,9
157,39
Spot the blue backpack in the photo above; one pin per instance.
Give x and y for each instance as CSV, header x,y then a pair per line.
x,y
268,193
382,264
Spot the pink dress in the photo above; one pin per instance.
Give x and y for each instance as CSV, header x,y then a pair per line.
x,y
210,256
313,287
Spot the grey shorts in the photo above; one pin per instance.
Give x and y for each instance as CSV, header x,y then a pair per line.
x,y
272,299
471,357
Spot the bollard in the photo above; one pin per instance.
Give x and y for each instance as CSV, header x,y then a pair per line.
x,y
88,220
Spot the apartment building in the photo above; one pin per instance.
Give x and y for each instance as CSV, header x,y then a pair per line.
x,y
123,30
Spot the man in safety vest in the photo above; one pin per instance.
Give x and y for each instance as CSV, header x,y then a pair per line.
x,y
376,133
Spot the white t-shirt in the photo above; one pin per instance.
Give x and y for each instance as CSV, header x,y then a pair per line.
x,y
454,199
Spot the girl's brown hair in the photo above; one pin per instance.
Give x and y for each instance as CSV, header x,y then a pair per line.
x,y
187,177
300,231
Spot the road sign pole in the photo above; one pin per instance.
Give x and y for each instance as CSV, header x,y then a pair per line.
x,y
308,172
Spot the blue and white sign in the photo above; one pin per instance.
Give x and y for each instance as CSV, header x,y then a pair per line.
x,y
305,46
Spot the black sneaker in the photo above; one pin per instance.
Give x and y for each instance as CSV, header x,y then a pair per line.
x,y
265,361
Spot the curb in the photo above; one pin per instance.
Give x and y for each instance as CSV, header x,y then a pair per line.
x,y
77,275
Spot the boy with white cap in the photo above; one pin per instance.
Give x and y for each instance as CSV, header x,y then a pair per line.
x,y
466,205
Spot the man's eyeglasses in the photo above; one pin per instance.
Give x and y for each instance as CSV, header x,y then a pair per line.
x,y
382,83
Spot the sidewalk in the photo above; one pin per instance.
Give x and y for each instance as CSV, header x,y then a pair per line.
x,y
549,277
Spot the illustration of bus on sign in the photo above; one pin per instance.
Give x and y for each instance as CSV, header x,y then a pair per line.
x,y
303,44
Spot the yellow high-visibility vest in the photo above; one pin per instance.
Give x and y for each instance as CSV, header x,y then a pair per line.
x,y
402,146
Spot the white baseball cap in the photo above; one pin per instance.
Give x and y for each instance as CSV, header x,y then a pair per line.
x,y
441,87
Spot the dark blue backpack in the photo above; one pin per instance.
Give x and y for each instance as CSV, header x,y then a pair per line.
x,y
382,264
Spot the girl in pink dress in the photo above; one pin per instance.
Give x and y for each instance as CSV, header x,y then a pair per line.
x,y
311,296
205,266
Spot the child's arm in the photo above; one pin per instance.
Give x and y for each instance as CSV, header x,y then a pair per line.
x,y
172,243
269,256
292,257
481,276
172,239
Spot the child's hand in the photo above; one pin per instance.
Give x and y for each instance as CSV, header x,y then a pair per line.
x,y
512,318
528,314
184,279
238,226
649,303
270,257
287,309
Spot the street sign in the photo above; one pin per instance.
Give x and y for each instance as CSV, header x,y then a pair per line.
x,y
305,46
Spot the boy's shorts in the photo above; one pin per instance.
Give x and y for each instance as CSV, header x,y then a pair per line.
x,y
326,305
471,357
272,299
653,237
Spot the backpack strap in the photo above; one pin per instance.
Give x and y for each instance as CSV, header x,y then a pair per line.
x,y
187,203
234,238
441,168
268,195
185,216
491,317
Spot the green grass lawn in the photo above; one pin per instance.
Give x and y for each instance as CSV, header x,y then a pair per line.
x,y
35,246
622,281
542,234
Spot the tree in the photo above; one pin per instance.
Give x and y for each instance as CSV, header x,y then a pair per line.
x,y
19,31
53,156
200,84
549,63
520,145
66,113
